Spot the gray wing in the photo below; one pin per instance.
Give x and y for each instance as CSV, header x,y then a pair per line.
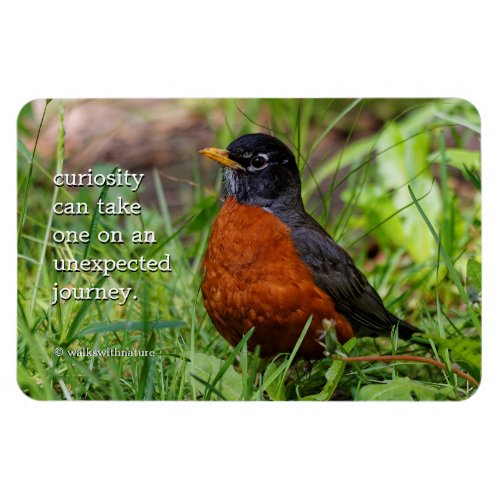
x,y
336,274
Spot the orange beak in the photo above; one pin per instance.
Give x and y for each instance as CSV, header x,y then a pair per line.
x,y
221,156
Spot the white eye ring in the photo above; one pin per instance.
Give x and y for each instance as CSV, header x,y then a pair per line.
x,y
253,168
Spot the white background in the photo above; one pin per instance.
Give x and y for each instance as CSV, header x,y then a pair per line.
x,y
252,48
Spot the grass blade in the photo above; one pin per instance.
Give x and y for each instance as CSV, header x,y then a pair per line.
x,y
59,167
451,269
30,157
128,326
230,359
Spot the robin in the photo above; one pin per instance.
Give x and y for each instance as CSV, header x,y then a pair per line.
x,y
270,265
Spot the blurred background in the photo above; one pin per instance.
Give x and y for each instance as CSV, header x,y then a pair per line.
x,y
142,134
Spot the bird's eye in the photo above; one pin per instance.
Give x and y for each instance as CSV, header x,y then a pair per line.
x,y
258,162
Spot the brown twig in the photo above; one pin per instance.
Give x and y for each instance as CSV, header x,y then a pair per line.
x,y
405,357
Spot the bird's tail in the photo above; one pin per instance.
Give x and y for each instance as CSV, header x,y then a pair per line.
x,y
405,330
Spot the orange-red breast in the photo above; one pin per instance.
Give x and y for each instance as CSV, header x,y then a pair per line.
x,y
270,265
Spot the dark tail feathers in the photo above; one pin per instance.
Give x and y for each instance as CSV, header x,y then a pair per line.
x,y
405,330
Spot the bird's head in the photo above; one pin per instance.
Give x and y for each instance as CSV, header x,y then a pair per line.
x,y
259,170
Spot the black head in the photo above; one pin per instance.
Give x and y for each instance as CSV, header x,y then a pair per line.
x,y
260,170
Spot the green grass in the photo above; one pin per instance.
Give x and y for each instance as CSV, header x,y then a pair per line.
x,y
403,200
